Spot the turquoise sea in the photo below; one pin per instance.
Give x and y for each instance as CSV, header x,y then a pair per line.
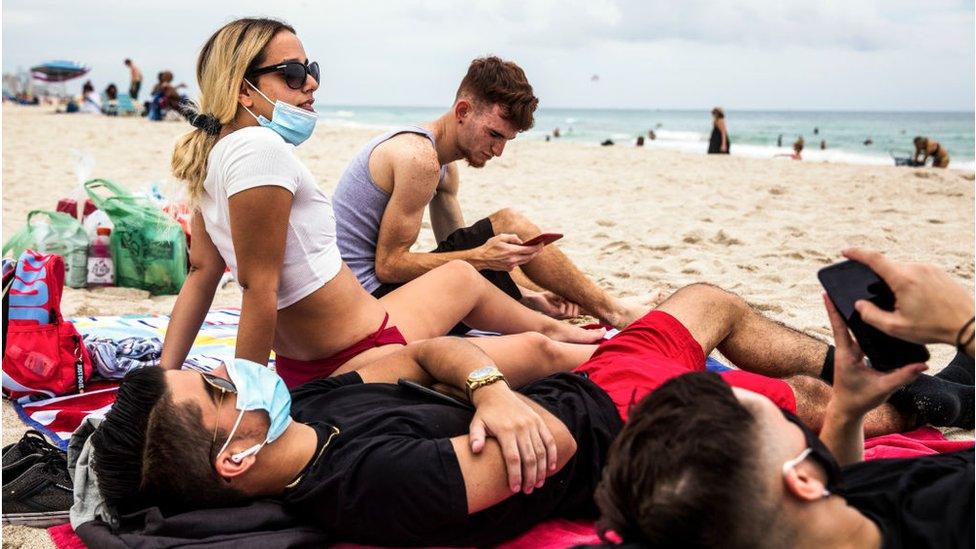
x,y
752,133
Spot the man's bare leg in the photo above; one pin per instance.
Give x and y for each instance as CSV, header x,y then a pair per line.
x,y
721,320
553,271
812,396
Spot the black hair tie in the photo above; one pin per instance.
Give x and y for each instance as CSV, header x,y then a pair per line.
x,y
206,122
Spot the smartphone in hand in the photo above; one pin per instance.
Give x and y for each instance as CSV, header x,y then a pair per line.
x,y
846,283
545,239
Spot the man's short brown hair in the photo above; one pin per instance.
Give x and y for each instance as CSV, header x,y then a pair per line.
x,y
684,472
492,81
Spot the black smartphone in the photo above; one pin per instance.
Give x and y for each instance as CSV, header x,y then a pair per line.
x,y
846,283
427,391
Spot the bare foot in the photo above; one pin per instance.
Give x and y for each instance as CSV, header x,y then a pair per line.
x,y
630,309
567,333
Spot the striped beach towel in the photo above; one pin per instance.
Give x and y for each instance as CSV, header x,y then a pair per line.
x,y
59,417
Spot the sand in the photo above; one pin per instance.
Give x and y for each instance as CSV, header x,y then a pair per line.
x,y
634,219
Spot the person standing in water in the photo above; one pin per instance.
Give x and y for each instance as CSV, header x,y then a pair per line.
x,y
719,142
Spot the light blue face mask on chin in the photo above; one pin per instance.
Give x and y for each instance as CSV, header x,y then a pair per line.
x,y
258,388
292,123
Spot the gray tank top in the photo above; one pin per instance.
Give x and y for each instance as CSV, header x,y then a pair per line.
x,y
359,205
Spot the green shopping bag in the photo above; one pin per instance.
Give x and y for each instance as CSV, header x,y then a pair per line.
x,y
61,234
148,247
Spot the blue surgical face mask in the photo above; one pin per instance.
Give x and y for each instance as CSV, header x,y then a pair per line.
x,y
294,124
258,388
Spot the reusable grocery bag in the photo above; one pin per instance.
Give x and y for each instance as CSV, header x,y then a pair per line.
x,y
148,246
60,234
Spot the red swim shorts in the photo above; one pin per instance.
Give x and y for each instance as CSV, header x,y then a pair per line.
x,y
656,348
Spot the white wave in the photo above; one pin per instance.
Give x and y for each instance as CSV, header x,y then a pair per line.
x,y
338,113
836,156
673,135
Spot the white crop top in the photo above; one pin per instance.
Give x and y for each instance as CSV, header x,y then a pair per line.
x,y
256,157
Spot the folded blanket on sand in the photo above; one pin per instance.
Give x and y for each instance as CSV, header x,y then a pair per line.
x,y
113,359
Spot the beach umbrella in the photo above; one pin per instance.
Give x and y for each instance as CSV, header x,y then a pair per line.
x,y
58,71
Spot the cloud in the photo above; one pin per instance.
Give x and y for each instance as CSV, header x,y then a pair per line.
x,y
648,53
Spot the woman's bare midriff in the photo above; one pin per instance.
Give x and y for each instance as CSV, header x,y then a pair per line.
x,y
329,320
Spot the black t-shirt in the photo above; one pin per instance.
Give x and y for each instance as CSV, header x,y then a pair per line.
x,y
916,502
391,476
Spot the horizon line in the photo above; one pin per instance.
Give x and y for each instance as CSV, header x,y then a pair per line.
x,y
691,109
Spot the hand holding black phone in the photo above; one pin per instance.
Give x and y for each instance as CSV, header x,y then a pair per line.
x,y
846,283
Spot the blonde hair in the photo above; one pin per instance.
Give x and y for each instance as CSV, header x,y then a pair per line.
x,y
229,54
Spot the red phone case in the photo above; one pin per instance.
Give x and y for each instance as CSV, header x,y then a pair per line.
x,y
544,239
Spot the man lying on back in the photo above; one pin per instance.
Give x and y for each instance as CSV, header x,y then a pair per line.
x,y
370,461
763,478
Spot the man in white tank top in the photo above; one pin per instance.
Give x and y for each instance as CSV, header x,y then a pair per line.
x,y
380,201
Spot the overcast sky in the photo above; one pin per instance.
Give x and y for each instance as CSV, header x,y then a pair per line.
x,y
746,54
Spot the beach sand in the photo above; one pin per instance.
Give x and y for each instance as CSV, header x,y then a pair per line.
x,y
634,219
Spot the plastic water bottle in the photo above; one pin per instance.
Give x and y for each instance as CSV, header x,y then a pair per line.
x,y
101,268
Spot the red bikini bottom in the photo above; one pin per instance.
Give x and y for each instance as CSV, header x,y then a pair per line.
x,y
296,372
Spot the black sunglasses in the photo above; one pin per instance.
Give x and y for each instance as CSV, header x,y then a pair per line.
x,y
224,386
295,72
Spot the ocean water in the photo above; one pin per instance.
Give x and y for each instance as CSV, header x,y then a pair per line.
x,y
752,133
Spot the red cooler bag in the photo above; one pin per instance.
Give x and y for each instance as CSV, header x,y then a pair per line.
x,y
45,355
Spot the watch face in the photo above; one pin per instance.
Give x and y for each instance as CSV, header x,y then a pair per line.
x,y
481,373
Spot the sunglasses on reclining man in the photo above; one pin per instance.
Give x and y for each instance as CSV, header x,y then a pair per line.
x,y
294,72
224,386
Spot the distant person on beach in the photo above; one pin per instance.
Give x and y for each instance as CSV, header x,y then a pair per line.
x,y
259,211
816,130
165,97
868,142
719,141
926,148
823,144
90,102
135,79
606,142
381,197
779,140
640,140
651,135
111,104
797,150
555,132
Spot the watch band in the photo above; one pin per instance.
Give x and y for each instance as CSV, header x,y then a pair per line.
x,y
471,385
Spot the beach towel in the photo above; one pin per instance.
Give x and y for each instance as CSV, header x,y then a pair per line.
x,y
60,417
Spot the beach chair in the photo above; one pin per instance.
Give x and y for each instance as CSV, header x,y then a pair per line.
x,y
125,105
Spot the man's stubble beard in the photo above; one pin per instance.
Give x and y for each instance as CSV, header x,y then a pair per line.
x,y
467,158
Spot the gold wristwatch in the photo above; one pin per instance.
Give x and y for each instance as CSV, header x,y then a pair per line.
x,y
481,377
